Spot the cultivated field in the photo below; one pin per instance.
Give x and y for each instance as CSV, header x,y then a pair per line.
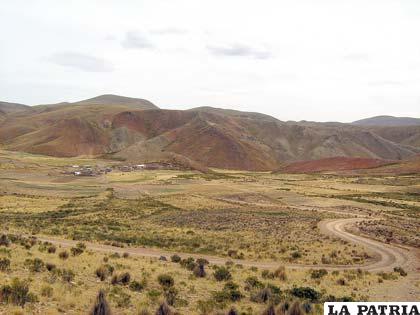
x,y
280,238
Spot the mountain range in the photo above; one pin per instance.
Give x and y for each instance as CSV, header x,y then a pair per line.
x,y
136,130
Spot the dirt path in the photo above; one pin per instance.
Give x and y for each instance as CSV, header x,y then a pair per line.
x,y
386,256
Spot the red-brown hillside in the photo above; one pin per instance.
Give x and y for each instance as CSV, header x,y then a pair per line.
x,y
333,164
138,131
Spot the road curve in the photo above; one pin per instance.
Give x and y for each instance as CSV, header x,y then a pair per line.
x,y
386,256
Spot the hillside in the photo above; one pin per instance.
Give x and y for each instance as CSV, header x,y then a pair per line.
x,y
138,131
333,164
388,121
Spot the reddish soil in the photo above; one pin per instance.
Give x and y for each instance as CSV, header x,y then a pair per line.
x,y
333,164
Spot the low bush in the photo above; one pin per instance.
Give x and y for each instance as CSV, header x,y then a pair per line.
x,y
16,293
34,265
122,279
170,294
401,271
175,258
101,306
318,273
280,273
222,274
4,240
50,267
306,293
199,271
267,274
136,286
230,293
63,255
104,271
252,283
166,280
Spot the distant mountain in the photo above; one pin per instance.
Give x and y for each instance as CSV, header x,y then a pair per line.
x,y
7,108
137,131
388,121
110,99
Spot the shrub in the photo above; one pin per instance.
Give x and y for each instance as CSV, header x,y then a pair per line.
x,y
136,286
122,279
166,280
52,249
222,274
199,271
318,273
126,255
252,283
230,292
266,274
63,255
233,311
188,263
296,255
104,271
50,267
164,309
306,293
101,306
34,265
76,251
281,273
269,311
261,296
81,245
170,295
4,264
4,240
16,293
125,278
401,271
295,309
175,258
341,281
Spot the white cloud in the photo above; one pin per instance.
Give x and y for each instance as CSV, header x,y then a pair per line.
x,y
81,61
136,40
313,60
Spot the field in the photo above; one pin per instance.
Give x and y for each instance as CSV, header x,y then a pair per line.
x,y
328,236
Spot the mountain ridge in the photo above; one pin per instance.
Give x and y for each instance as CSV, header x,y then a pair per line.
x,y
136,130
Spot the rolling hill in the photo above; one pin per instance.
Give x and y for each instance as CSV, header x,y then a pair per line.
x,y
388,121
137,131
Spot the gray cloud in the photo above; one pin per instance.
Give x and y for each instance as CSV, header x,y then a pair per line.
x,y
169,31
136,40
81,61
239,50
356,57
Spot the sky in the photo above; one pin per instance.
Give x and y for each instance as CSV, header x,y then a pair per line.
x,y
324,60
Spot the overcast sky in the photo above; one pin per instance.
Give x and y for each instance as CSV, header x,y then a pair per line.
x,y
324,60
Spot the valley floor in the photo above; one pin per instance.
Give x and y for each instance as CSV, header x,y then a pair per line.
x,y
362,231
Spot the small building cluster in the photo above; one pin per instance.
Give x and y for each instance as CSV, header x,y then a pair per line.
x,y
89,170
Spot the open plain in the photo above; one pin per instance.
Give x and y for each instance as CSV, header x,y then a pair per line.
x,y
265,237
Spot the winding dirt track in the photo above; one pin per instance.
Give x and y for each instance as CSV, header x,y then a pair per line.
x,y
386,256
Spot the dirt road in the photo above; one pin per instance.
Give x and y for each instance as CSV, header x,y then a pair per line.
x,y
386,256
